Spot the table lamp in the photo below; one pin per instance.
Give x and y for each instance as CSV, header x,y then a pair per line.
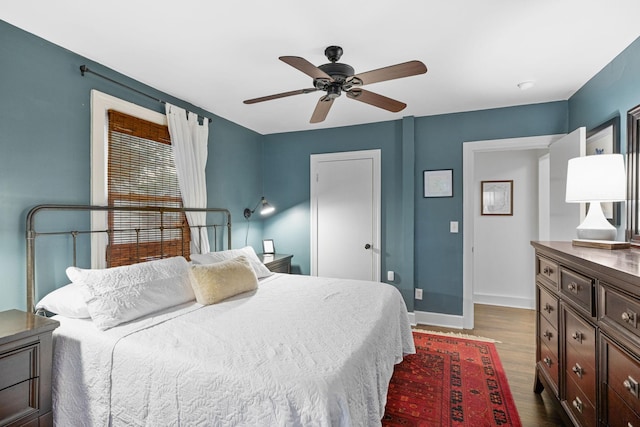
x,y
596,179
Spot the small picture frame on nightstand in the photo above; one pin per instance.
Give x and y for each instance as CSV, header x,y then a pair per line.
x,y
268,247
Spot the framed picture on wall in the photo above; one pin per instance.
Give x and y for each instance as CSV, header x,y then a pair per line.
x,y
438,183
268,247
497,197
605,139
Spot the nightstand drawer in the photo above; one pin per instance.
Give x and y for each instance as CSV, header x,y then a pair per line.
x,y
18,401
18,366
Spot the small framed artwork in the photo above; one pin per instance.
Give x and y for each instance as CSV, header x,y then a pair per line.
x,y
497,197
438,183
268,247
605,139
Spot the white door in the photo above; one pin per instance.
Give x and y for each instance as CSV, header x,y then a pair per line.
x,y
564,217
345,215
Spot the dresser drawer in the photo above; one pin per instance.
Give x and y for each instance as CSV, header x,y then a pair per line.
x,y
549,363
548,306
622,374
582,371
579,289
618,412
619,309
18,365
581,336
548,335
18,401
547,270
579,406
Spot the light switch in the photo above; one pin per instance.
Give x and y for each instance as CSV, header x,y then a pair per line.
x,y
390,276
453,226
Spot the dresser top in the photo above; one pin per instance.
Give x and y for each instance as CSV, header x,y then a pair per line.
x,y
620,263
16,324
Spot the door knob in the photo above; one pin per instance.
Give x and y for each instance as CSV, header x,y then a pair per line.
x,y
367,246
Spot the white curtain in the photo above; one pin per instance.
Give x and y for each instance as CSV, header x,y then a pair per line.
x,y
189,142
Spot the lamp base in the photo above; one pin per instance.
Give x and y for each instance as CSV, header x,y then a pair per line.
x,y
595,226
601,244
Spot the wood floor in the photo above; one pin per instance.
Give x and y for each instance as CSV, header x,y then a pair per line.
x,y
516,330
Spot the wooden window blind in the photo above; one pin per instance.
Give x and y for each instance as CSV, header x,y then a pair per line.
x,y
141,172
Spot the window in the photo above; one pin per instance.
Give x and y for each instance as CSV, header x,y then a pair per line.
x,y
132,165
141,172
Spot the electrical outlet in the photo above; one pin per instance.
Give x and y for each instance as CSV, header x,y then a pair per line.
x,y
418,293
390,276
453,226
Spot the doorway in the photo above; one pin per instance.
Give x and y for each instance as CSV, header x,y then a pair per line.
x,y
469,151
345,215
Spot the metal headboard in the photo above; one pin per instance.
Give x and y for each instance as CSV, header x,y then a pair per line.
x,y
32,233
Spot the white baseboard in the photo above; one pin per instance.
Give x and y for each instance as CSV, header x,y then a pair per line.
x,y
438,319
504,301
412,318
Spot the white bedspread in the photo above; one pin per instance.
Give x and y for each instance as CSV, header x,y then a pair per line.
x,y
298,351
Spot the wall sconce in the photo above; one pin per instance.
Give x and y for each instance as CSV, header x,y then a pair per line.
x,y
595,179
265,208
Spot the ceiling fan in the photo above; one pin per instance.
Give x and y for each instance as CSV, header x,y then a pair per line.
x,y
335,78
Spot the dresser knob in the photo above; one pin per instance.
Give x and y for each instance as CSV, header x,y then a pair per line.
x,y
628,317
548,308
547,271
547,361
577,369
632,386
577,403
577,336
548,335
573,287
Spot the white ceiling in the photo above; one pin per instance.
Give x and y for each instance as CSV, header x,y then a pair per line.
x,y
216,54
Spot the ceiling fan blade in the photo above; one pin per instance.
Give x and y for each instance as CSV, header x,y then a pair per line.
x,y
376,100
306,67
280,95
322,109
406,69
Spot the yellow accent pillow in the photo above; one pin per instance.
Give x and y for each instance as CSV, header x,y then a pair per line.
x,y
213,283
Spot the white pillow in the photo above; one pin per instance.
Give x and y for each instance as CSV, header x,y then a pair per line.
x,y
212,257
68,301
216,282
121,294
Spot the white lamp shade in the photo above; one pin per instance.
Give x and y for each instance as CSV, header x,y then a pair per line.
x,y
597,178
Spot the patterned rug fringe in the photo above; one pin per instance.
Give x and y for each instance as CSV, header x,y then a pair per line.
x,y
456,334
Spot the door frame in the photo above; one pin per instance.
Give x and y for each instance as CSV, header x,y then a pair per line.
x,y
375,156
469,149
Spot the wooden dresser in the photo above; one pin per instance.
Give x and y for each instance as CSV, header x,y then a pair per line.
x,y
588,332
25,369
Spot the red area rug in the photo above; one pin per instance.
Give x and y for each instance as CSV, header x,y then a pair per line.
x,y
450,381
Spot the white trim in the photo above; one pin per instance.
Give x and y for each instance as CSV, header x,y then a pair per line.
x,y
412,318
504,301
375,156
101,103
438,319
468,157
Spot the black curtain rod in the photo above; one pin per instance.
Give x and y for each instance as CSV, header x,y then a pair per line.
x,y
85,69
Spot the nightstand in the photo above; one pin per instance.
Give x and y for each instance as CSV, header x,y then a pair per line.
x,y
25,369
278,263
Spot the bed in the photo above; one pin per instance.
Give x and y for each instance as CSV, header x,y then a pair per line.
x,y
291,350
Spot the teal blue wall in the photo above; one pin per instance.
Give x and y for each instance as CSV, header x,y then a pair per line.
x,y
610,93
434,142
44,137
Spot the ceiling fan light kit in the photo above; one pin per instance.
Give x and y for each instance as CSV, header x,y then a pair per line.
x,y
335,78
